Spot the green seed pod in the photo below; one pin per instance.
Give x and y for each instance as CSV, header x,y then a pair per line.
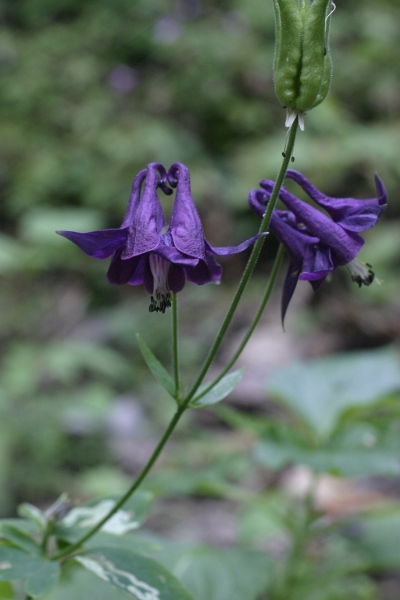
x,y
302,62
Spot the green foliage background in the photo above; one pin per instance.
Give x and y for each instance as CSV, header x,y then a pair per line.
x,y
90,92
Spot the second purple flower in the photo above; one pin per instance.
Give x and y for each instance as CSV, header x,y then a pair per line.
x,y
318,243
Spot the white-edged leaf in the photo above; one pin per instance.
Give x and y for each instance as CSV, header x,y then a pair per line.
x,y
129,518
158,370
141,577
85,517
219,391
40,575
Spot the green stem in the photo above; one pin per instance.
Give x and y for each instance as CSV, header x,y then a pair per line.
x,y
175,347
288,579
254,323
184,403
251,262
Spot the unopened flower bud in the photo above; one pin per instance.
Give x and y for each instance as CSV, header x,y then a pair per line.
x,y
302,62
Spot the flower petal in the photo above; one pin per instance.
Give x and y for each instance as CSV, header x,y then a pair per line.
x,y
176,278
345,245
98,244
207,271
350,213
121,271
137,277
185,225
174,256
228,250
134,198
147,217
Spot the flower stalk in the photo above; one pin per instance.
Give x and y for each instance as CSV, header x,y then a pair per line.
x,y
184,403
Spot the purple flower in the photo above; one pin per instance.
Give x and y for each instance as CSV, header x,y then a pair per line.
x,y
315,242
146,251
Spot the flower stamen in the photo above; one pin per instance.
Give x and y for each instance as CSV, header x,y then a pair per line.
x,y
161,298
361,273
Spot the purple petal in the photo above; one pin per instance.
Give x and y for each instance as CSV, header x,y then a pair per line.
x,y
207,271
98,244
344,244
174,256
228,250
352,214
134,198
137,277
176,278
147,218
185,225
258,201
121,271
317,263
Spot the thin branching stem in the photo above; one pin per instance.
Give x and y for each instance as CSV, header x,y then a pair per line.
x,y
73,548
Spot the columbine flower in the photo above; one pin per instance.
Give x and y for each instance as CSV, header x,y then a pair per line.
x,y
146,251
315,242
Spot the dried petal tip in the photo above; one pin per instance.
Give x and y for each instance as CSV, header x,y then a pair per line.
x,y
361,273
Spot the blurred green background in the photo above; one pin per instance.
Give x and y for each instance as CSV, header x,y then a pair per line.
x,y
90,92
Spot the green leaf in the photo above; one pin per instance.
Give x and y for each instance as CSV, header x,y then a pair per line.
x,y
33,514
321,391
40,575
137,575
219,391
220,574
19,538
378,535
350,462
77,583
158,370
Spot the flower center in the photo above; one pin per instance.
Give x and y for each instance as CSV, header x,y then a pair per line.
x,y
161,298
361,273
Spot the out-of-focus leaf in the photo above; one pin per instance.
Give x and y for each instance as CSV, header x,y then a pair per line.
x,y
77,583
39,575
378,535
129,518
218,574
321,391
356,462
34,514
19,538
